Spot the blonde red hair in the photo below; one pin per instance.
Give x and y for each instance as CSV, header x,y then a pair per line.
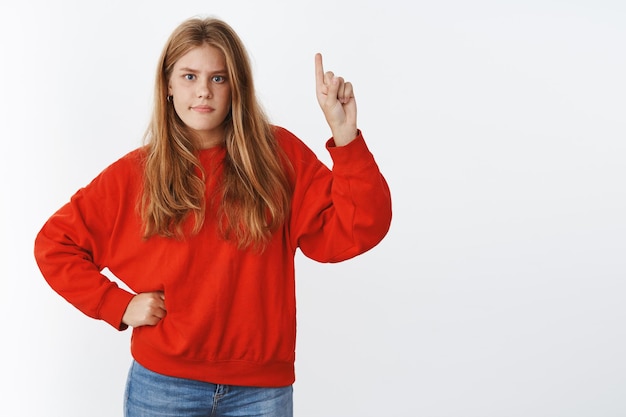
x,y
255,190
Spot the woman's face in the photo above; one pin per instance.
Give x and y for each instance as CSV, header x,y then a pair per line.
x,y
201,93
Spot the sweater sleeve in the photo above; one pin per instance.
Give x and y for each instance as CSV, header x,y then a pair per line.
x,y
72,246
340,213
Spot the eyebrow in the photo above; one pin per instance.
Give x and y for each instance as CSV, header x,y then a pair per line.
x,y
220,71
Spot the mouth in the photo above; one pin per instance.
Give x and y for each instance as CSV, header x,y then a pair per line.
x,y
203,109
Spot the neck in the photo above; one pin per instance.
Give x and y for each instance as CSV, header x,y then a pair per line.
x,y
206,140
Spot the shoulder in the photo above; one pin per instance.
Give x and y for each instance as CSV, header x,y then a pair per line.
x,y
293,146
132,161
123,172
284,136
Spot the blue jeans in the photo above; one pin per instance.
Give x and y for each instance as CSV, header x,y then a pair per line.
x,y
150,394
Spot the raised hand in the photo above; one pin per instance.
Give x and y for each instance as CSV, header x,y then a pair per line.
x,y
336,98
145,309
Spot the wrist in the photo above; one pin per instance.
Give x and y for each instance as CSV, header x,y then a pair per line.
x,y
344,137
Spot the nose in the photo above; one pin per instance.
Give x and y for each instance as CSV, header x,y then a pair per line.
x,y
204,90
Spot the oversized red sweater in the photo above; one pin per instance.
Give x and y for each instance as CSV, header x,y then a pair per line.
x,y
231,314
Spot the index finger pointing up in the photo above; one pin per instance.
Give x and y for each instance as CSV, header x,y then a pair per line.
x,y
319,70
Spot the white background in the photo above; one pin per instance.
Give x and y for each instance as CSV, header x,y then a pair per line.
x,y
500,289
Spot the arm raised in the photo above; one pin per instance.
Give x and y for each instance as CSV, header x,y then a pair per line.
x,y
336,99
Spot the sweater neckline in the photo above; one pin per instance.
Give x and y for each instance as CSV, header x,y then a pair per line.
x,y
211,153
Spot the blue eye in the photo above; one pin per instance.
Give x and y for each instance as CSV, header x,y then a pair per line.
x,y
190,77
218,79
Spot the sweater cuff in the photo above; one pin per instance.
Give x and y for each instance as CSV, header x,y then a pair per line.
x,y
114,306
351,157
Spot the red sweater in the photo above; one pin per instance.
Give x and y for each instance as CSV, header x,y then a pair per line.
x,y
231,314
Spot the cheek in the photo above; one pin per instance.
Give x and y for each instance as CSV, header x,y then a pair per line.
x,y
178,103
176,88
227,96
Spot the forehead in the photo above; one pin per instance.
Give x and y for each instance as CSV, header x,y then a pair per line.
x,y
202,58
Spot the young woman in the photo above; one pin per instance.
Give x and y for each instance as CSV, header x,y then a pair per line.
x,y
203,223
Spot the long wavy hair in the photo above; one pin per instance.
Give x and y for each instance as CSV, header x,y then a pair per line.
x,y
255,190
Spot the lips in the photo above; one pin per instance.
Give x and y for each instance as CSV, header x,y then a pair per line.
x,y
203,109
